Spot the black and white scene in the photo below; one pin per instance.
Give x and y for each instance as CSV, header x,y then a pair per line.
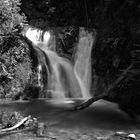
x,y
70,70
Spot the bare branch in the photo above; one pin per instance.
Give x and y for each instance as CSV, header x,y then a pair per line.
x,y
105,93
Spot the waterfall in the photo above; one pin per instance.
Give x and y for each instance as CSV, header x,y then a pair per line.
x,y
82,65
65,79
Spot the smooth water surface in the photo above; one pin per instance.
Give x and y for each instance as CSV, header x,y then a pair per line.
x,y
102,114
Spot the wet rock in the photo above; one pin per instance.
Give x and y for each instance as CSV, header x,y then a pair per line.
x,y
131,137
121,133
125,135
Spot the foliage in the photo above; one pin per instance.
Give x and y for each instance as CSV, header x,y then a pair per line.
x,y
15,67
55,13
10,15
32,90
65,41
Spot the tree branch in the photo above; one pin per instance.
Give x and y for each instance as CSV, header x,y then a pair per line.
x,y
105,93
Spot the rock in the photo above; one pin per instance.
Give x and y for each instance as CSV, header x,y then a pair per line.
x,y
121,133
126,135
131,137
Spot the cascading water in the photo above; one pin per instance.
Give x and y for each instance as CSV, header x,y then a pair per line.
x,y
65,80
82,67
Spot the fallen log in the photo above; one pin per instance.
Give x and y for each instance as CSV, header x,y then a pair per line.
x,y
16,126
105,93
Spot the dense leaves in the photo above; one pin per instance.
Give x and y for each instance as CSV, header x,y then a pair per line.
x,y
9,15
15,65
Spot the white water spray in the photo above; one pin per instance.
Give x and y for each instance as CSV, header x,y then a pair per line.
x,y
82,67
65,79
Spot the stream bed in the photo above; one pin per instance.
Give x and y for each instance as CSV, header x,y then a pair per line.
x,y
101,120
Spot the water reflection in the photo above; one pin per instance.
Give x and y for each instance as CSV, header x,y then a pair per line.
x,y
102,114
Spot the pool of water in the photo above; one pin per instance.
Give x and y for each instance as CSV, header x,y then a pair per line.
x,y
102,114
